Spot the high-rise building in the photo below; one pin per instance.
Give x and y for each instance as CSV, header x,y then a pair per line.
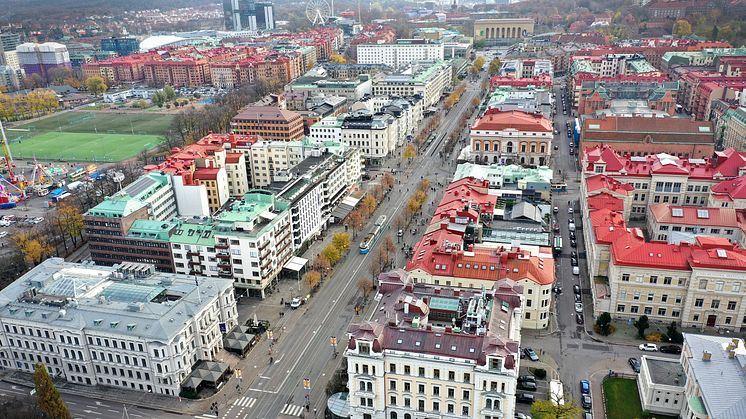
x,y
122,46
9,41
40,58
243,15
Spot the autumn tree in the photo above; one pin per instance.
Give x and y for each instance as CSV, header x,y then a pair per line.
x,y
368,206
494,67
342,242
375,266
388,181
33,246
478,64
96,85
423,185
331,254
337,59
552,409
475,101
401,222
409,152
682,28
365,285
47,396
354,221
70,221
312,278
321,264
388,245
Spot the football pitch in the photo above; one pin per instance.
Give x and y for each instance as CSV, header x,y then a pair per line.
x,y
88,136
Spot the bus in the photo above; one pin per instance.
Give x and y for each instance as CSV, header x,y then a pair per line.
x,y
76,174
370,240
557,245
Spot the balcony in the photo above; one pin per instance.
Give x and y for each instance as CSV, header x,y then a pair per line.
x,y
264,245
225,274
193,262
192,253
223,255
223,246
224,264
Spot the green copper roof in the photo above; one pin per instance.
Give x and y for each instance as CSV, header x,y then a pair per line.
x,y
696,404
131,198
193,233
151,229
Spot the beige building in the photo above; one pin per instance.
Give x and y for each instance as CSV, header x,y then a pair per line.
x,y
269,122
503,29
661,384
511,137
734,128
411,362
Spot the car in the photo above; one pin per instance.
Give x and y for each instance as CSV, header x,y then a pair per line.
x,y
573,254
519,415
579,318
587,415
576,270
573,262
572,227
557,290
400,233
530,354
578,307
570,220
527,398
570,210
556,148
556,228
3,234
572,235
648,347
586,402
578,298
37,220
527,378
556,132
670,349
585,387
556,210
295,303
572,151
526,385
573,243
635,364
564,112
4,223
576,289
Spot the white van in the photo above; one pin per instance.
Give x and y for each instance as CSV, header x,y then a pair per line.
x,y
575,270
572,226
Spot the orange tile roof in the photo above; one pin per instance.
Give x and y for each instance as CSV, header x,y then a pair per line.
x,y
521,121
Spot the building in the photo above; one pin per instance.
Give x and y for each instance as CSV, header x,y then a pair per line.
x,y
11,78
529,100
646,136
525,68
612,65
413,357
127,326
536,180
248,15
703,58
428,79
40,58
597,95
298,92
673,223
374,134
400,54
122,46
661,383
351,71
249,241
734,129
8,55
511,137
268,122
709,362
503,30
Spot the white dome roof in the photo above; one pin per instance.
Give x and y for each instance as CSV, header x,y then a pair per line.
x,y
158,41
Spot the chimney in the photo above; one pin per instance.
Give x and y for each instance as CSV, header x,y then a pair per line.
x,y
706,355
731,354
406,308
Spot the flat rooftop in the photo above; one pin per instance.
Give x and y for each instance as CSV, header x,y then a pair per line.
x,y
665,371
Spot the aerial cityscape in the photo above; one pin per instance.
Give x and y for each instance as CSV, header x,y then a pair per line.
x,y
389,209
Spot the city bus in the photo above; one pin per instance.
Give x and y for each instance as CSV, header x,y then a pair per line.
x,y
557,244
370,240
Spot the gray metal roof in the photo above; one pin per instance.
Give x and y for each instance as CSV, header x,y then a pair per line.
x,y
665,371
722,380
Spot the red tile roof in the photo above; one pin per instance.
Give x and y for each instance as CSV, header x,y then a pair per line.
x,y
206,174
730,189
658,130
233,158
632,250
521,121
605,200
720,217
606,183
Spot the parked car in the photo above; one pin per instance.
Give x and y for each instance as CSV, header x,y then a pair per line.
x,y
556,148
576,289
573,262
585,387
556,210
519,415
576,270
573,243
572,235
587,415
648,347
578,298
586,402
527,398
578,307
3,234
572,151
579,318
295,303
570,210
556,228
530,354
526,385
670,349
400,233
635,364
527,378
557,290
572,226
573,254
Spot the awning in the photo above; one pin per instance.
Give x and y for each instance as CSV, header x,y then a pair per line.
x,y
344,208
295,264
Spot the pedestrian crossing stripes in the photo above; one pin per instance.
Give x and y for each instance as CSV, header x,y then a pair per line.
x,y
245,402
292,410
205,416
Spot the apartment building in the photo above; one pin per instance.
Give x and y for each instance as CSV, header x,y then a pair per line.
x,y
412,360
249,241
127,326
596,95
511,137
300,90
612,65
407,112
734,129
526,68
682,223
268,122
40,58
400,54
177,72
428,79
666,179
710,363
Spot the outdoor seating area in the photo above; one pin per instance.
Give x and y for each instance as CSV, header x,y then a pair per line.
x,y
208,374
239,340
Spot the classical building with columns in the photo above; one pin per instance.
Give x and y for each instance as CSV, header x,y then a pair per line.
x,y
503,30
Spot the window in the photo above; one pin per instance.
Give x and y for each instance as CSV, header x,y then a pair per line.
x,y
699,302
625,277
392,385
420,405
702,284
661,311
620,308
664,298
392,368
719,285
634,309
651,296
407,387
667,280
648,310
675,313
436,374
421,388
450,407
406,370
421,372
436,407
715,304
465,411
467,377
451,376
653,279
465,395
451,393
731,305
736,287
436,391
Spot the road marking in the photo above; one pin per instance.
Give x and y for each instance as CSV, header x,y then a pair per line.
x,y
92,407
291,410
263,391
265,377
112,410
205,416
245,402
101,404
135,415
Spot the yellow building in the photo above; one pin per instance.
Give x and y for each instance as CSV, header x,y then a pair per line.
x,y
503,29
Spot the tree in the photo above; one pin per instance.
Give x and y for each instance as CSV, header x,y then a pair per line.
x,y
169,93
321,264
331,253
494,67
551,409
604,324
337,59
354,221
158,99
312,278
475,101
49,399
388,181
375,267
70,220
96,85
715,32
365,285
423,185
341,241
477,65
33,246
642,324
368,206
409,152
682,28
674,335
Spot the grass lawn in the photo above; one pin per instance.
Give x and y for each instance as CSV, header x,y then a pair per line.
x,y
82,146
623,400
144,123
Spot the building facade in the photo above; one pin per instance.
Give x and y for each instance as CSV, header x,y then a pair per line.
x,y
426,79
503,30
512,137
400,54
248,15
268,122
126,327
40,58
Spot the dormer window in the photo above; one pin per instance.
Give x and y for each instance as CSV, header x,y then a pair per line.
x,y
599,168
495,363
363,348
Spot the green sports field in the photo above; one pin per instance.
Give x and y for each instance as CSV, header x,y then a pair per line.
x,y
88,136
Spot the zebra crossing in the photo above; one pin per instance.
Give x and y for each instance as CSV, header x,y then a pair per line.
x,y
292,410
245,402
205,416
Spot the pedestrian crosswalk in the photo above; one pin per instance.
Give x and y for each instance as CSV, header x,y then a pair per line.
x,y
245,402
292,410
205,416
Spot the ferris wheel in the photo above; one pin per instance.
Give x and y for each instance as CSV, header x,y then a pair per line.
x,y
318,11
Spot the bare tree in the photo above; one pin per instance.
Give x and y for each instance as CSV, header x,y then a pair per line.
x,y
365,285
